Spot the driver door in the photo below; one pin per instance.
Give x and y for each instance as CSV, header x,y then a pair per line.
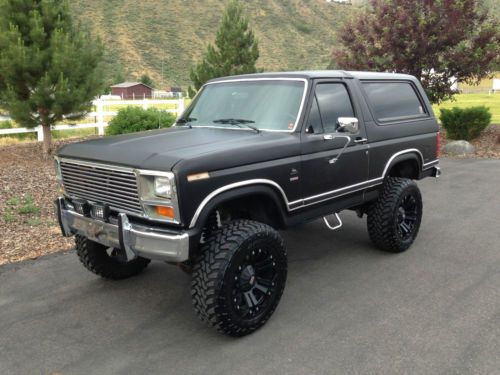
x,y
334,162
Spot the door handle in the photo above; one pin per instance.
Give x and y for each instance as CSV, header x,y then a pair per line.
x,y
360,140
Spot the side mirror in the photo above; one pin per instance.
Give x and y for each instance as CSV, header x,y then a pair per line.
x,y
348,124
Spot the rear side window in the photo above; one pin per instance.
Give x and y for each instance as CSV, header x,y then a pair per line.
x,y
394,100
333,102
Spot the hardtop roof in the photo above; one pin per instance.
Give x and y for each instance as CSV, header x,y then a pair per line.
x,y
315,74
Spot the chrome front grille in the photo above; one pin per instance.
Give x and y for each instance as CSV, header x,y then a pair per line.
x,y
116,187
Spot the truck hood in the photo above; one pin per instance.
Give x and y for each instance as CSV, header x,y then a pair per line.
x,y
198,148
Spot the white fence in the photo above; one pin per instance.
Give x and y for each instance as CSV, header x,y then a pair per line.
x,y
496,84
99,115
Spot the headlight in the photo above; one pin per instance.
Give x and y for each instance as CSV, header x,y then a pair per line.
x,y
163,188
158,195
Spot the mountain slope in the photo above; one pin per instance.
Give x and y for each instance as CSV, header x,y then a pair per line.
x,y
142,37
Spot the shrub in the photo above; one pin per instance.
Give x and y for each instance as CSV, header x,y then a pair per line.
x,y
136,119
465,123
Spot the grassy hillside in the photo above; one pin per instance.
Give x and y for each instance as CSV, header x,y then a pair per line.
x,y
142,36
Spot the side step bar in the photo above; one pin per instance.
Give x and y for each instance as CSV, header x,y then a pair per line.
x,y
331,227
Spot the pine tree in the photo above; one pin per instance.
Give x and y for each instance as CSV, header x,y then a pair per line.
x,y
436,41
236,49
48,68
147,80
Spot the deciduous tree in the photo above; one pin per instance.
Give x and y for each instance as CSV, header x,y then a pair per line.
x,y
438,41
48,67
235,52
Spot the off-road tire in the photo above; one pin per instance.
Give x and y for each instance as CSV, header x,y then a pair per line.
x,y
95,258
218,279
383,220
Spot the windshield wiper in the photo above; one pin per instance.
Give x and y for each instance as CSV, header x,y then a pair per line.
x,y
237,122
186,121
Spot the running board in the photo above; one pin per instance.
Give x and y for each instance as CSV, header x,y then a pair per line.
x,y
329,226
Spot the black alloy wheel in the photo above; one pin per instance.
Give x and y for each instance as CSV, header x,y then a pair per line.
x,y
239,277
394,218
407,216
254,284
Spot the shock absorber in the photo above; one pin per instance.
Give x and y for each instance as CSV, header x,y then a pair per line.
x,y
212,224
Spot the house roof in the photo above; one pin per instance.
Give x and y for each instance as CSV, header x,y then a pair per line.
x,y
130,84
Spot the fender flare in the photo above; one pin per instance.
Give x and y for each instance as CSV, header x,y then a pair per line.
x,y
410,154
242,189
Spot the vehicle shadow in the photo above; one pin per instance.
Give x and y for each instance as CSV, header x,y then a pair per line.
x,y
162,293
308,243
315,241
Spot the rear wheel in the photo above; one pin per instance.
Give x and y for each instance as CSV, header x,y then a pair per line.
x,y
394,219
239,277
107,262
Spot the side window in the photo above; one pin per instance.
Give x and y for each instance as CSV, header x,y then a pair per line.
x,y
393,100
334,102
314,122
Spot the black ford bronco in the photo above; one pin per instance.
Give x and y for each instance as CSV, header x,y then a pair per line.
x,y
251,154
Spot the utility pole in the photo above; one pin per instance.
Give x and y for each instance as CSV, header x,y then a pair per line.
x,y
162,78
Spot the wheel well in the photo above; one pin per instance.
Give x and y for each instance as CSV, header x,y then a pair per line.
x,y
408,168
258,207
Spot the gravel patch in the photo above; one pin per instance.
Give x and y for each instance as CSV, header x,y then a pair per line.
x,y
28,224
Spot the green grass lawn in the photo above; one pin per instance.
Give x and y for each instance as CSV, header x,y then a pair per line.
x,y
463,100
74,133
473,100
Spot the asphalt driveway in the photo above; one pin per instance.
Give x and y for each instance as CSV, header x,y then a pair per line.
x,y
347,307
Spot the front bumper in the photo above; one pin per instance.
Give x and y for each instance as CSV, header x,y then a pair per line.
x,y
135,240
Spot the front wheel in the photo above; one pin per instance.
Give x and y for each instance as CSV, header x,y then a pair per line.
x,y
394,219
239,277
107,262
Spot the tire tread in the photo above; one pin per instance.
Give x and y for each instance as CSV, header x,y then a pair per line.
x,y
93,257
209,271
381,215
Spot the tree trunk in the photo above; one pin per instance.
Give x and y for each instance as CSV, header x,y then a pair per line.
x,y
47,141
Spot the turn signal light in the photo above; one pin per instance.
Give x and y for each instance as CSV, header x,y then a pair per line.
x,y
165,211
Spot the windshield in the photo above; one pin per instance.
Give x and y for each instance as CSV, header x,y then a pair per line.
x,y
260,104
